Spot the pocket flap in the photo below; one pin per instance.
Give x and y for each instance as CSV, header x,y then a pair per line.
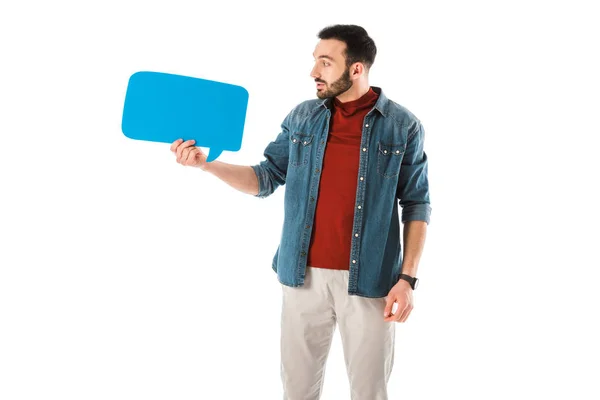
x,y
391,149
301,138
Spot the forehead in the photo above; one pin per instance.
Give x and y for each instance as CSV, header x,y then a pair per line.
x,y
330,47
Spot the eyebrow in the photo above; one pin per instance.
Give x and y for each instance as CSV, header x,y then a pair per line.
x,y
327,57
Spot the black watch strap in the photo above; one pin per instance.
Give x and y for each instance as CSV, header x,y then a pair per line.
x,y
411,280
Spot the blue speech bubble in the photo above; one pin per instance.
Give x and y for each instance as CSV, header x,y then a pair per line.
x,y
161,107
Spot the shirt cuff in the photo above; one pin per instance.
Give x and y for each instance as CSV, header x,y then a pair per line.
x,y
416,212
261,174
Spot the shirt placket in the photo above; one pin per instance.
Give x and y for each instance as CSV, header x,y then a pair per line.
x,y
309,219
359,210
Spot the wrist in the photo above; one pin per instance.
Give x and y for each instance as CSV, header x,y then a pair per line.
x,y
410,280
404,284
206,166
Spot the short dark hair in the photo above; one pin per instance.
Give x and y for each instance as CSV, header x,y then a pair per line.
x,y
359,46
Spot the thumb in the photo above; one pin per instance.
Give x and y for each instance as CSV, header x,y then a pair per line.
x,y
388,306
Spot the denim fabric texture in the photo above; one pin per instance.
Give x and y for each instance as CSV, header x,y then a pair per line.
x,y
392,171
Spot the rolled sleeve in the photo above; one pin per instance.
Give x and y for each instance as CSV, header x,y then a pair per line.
x,y
272,171
416,212
413,182
264,184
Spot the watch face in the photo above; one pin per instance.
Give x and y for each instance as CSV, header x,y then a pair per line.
x,y
416,282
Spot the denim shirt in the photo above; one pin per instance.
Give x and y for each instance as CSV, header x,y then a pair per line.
x,y
392,170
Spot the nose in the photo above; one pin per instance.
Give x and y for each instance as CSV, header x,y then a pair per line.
x,y
314,73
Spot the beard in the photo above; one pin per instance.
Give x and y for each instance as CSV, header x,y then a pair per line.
x,y
336,88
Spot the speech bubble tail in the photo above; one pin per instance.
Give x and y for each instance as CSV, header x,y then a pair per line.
x,y
213,154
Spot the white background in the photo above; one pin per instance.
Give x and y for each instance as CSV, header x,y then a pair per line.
x,y
124,275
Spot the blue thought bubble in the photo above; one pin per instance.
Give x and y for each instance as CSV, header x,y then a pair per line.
x,y
161,107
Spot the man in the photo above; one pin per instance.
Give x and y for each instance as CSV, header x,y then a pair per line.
x,y
346,158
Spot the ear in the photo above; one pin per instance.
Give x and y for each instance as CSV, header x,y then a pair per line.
x,y
356,70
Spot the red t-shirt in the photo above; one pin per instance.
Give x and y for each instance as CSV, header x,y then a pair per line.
x,y
334,215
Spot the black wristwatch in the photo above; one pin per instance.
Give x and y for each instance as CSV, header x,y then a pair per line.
x,y
414,282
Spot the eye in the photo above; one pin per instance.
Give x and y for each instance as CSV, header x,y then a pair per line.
x,y
325,63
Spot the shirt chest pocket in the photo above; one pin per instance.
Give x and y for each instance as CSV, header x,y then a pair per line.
x,y
300,148
389,159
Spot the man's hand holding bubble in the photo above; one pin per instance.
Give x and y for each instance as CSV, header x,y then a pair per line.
x,y
188,154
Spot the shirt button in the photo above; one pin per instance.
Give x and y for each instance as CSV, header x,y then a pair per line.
x,y
303,254
385,152
364,149
356,234
397,151
305,142
359,207
367,125
353,261
362,178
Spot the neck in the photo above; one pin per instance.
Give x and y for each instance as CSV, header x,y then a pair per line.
x,y
357,91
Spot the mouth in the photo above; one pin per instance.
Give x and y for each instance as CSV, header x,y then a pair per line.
x,y
320,85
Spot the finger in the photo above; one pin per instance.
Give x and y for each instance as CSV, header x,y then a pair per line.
x,y
406,313
391,318
191,156
184,154
388,306
175,145
180,149
184,146
400,311
391,315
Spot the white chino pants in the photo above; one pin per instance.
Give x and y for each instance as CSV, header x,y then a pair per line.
x,y
309,316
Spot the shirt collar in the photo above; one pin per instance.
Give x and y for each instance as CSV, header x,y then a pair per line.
x,y
380,105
